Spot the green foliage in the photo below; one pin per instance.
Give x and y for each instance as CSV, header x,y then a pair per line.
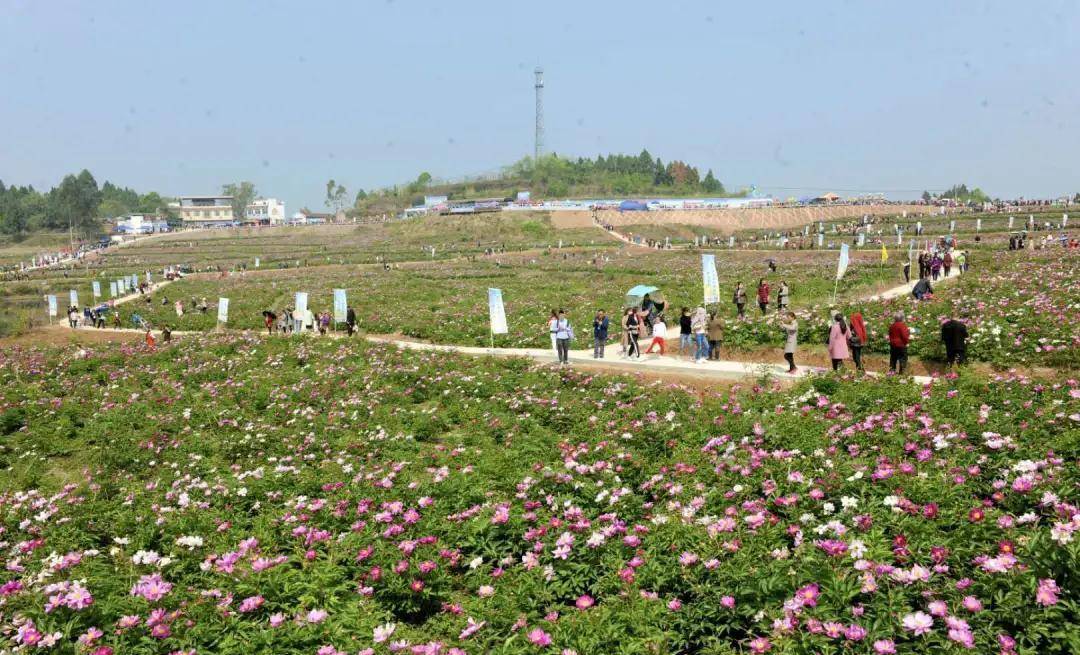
x,y
242,194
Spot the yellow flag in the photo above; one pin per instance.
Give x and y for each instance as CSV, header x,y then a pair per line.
x,y
884,253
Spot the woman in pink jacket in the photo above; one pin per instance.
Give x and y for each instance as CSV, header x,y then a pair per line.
x,y
838,347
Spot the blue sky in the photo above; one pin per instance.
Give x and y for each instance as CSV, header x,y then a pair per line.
x,y
792,96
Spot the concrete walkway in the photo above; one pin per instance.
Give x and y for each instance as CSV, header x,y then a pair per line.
x,y
720,370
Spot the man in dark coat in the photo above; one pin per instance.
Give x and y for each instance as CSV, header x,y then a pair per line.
x,y
350,320
954,335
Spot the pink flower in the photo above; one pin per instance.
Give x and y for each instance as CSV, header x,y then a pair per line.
x,y
920,623
760,645
938,608
383,632
674,605
727,602
250,604
1046,593
972,604
962,637
316,616
538,637
277,619
885,647
855,632
584,602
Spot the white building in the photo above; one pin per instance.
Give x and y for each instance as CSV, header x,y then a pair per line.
x,y
141,224
270,211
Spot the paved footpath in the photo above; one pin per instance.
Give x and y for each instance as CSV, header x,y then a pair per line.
x,y
720,370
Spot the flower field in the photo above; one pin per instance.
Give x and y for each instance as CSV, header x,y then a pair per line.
x,y
446,302
1021,308
230,494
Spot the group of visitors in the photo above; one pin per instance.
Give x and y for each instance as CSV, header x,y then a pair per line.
x,y
298,321
90,317
764,291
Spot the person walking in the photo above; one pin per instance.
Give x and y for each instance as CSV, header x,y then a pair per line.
x,y
783,296
857,338
838,341
179,307
907,271
686,335
269,319
946,263
600,334
899,338
739,298
954,336
935,268
309,320
553,326
699,324
763,295
324,322
791,330
631,331
961,262
73,317
659,335
564,332
350,321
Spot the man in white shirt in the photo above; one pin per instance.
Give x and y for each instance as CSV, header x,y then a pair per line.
x,y
564,332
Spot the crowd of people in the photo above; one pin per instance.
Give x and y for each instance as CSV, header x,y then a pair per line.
x,y
300,320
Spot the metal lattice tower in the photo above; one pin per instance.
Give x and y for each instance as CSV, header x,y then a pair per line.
x,y
539,146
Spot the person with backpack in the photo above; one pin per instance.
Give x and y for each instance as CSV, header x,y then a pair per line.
x,y
838,341
600,334
564,332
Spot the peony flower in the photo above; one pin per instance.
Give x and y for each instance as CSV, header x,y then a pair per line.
x,y
919,623
760,645
584,602
885,647
538,637
383,632
1046,593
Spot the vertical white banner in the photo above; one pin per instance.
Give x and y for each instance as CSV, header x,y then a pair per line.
x,y
1010,222
496,311
96,288
148,278
731,241
1064,220
905,214
862,239
134,280
340,307
899,238
73,295
301,301
918,227
709,278
256,262
952,226
223,310
52,306
978,225
113,291
842,264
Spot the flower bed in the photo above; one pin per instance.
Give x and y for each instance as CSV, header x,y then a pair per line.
x,y
237,495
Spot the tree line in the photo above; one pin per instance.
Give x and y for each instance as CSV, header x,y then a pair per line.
x,y
76,204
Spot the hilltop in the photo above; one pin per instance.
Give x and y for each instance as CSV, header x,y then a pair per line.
x,y
553,176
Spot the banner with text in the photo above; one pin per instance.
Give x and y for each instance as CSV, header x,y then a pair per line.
x,y
223,310
52,305
73,295
339,305
301,301
96,287
710,279
841,266
496,311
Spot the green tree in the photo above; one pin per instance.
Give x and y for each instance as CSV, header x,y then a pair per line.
x,y
361,195
14,219
335,196
926,196
75,201
710,184
242,194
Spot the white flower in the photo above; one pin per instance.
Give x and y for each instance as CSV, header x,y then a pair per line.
x,y
191,542
383,632
849,502
890,501
476,562
828,508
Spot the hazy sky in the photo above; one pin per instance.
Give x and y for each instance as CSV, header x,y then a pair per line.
x,y
180,97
